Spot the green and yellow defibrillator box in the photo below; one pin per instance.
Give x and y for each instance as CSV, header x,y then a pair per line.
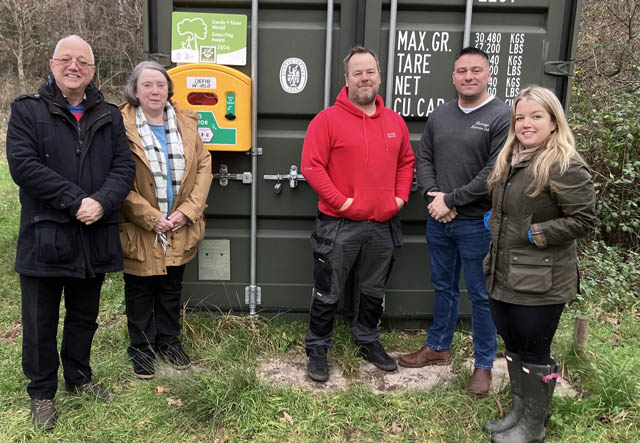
x,y
222,97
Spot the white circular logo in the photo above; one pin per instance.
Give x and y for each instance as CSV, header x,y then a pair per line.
x,y
293,75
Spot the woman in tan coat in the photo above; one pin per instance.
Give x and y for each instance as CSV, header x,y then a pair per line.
x,y
163,215
543,199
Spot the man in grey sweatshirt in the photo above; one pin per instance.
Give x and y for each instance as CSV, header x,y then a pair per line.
x,y
457,151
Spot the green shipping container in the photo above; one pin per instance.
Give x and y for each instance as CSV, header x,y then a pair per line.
x,y
256,256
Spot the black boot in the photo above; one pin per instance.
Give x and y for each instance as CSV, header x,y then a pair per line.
x,y
538,383
514,365
317,367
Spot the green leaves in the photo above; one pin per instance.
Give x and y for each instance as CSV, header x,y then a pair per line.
x,y
609,139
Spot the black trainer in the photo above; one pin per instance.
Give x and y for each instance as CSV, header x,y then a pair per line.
x,y
175,356
143,366
43,413
318,368
375,354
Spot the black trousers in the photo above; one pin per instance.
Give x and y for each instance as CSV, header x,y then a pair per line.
x,y
340,245
40,313
153,310
527,330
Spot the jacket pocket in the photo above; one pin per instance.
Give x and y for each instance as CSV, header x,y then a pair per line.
x,y
372,204
195,234
54,244
530,271
131,241
324,234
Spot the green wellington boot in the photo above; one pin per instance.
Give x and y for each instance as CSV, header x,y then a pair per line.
x,y
537,383
514,365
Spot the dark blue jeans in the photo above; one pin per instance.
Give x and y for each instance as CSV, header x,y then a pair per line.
x,y
455,246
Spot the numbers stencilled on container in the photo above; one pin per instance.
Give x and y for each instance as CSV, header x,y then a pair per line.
x,y
496,1
505,62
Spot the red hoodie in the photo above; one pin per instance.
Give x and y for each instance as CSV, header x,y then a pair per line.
x,y
348,153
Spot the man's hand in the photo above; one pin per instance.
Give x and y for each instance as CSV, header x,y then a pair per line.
x,y
178,219
163,225
90,211
437,208
400,203
346,204
449,217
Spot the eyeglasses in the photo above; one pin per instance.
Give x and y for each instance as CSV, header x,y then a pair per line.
x,y
80,62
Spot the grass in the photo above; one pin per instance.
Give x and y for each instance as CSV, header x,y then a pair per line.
x,y
221,398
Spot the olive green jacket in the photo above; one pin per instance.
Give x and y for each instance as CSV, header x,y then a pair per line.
x,y
544,272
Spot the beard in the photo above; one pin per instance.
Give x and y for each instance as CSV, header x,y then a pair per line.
x,y
363,98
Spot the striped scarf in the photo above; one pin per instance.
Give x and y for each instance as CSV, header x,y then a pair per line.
x,y
156,157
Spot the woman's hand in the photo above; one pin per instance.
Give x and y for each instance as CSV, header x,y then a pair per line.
x,y
178,219
163,225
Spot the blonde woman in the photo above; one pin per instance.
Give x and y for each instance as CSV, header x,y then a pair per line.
x,y
542,201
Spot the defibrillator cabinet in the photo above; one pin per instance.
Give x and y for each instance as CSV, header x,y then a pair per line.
x,y
222,97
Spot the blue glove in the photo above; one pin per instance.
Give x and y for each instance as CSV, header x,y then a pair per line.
x,y
486,219
530,237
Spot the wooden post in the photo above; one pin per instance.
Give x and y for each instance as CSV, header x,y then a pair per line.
x,y
580,332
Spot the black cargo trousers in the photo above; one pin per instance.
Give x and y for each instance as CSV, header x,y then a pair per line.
x,y
339,245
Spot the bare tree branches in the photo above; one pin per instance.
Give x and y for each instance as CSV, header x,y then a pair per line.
x,y
609,47
30,29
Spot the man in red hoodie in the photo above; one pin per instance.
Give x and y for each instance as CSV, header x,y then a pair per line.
x,y
358,159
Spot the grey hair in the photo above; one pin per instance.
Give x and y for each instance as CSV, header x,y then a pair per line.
x,y
75,37
131,90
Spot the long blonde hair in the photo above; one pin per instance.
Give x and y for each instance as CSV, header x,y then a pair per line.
x,y
557,149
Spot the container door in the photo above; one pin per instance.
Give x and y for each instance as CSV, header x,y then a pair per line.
x,y
291,71
528,41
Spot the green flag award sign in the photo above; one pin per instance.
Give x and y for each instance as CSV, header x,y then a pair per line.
x,y
209,38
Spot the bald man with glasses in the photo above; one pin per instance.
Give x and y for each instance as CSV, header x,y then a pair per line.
x,y
68,152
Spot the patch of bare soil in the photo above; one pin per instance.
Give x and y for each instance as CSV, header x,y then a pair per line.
x,y
12,334
291,371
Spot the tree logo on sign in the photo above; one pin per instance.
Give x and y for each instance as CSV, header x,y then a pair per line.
x,y
194,29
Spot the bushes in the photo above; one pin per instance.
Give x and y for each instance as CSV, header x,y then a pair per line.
x,y
609,139
610,277
604,113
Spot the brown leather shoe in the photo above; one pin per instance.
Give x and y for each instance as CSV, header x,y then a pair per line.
x,y
480,382
43,413
425,357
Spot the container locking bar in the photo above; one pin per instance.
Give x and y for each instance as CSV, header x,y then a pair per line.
x,y
293,177
560,68
224,176
253,292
